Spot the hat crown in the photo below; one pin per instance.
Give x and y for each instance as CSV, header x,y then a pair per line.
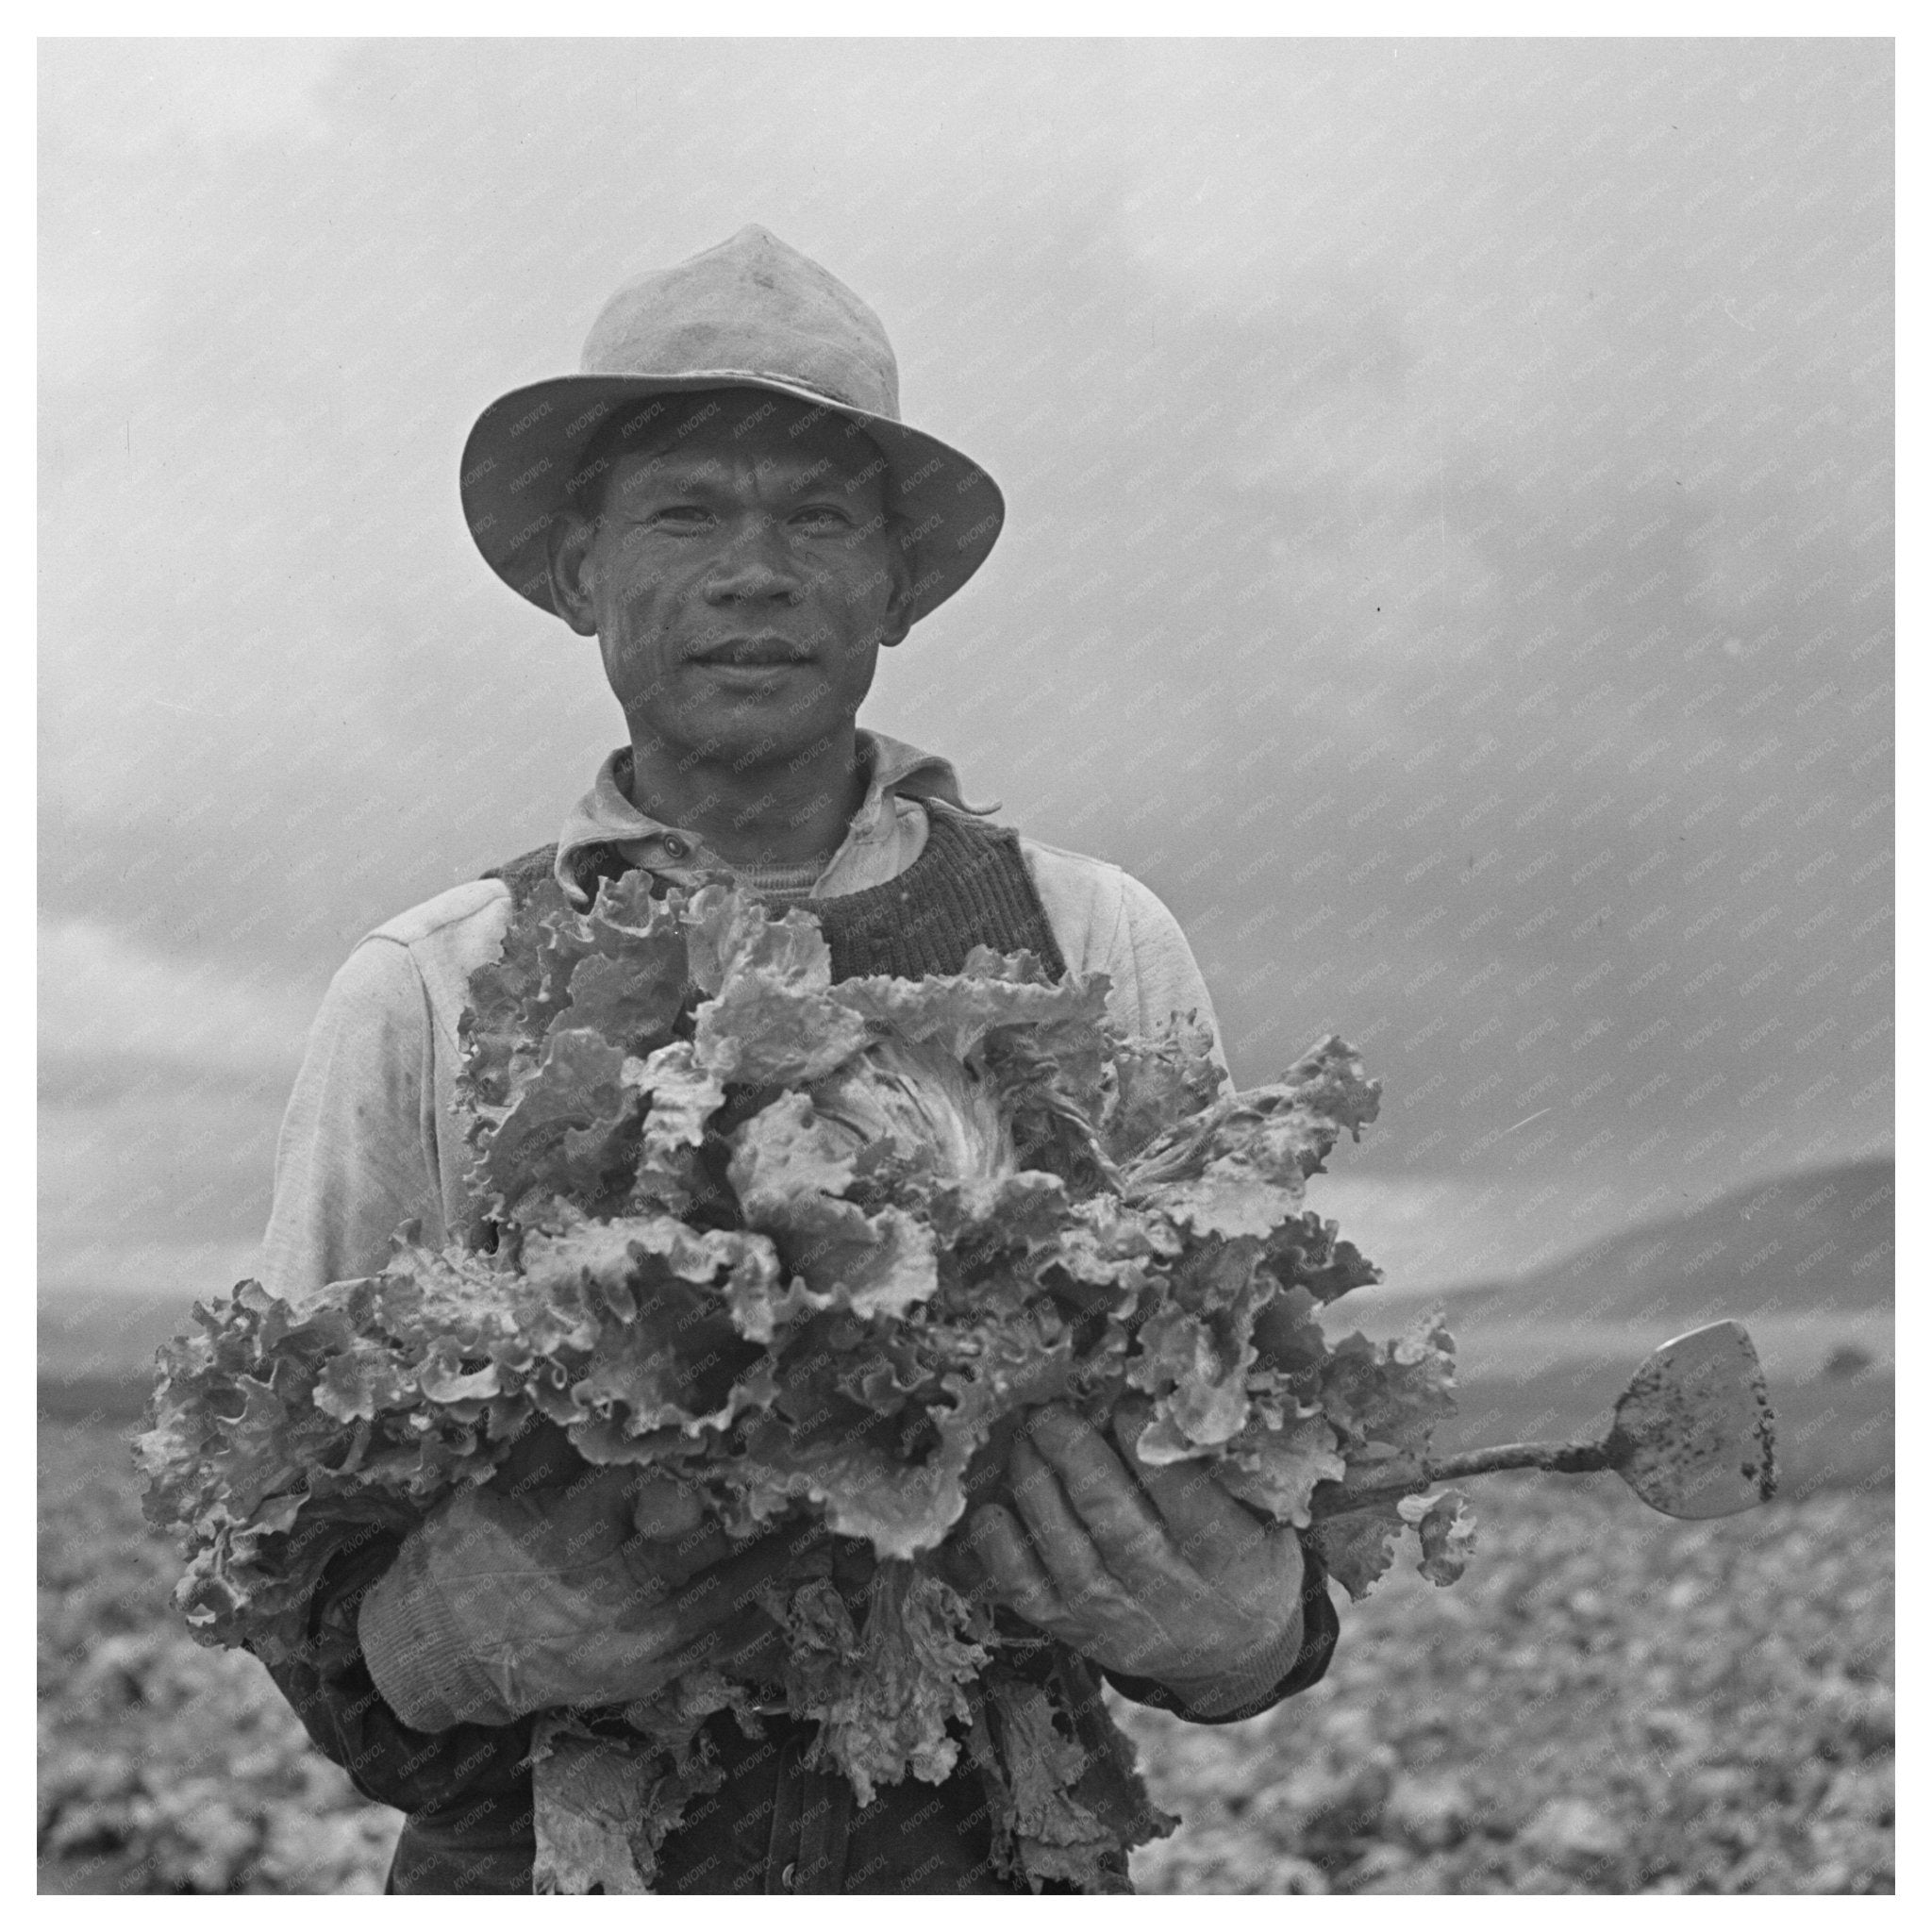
x,y
752,306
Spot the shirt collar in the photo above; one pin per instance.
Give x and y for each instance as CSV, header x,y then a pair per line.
x,y
606,816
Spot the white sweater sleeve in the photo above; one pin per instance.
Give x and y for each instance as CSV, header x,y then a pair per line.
x,y
1149,953
358,1148
1108,922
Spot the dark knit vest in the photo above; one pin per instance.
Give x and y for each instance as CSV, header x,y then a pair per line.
x,y
969,887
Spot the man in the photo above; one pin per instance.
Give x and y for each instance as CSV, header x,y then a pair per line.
x,y
726,501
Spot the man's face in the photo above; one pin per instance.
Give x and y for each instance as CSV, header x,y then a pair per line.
x,y
740,579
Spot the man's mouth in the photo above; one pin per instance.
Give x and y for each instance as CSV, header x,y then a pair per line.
x,y
753,653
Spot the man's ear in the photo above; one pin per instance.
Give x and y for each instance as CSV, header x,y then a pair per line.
x,y
901,560
572,572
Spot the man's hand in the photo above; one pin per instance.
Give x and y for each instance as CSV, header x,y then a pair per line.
x,y
1166,1576
503,1604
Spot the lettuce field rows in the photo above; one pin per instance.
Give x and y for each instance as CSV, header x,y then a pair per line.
x,y
1607,1702
165,1767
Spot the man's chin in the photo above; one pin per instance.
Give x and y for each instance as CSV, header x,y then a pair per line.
x,y
753,734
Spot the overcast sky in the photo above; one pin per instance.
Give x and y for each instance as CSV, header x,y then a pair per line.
x,y
1448,557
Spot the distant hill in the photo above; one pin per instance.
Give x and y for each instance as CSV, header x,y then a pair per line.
x,y
1806,1262
1809,1243
106,1335
96,1352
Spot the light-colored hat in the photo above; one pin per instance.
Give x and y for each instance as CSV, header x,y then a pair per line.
x,y
750,313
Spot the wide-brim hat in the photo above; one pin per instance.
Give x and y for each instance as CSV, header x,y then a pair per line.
x,y
751,313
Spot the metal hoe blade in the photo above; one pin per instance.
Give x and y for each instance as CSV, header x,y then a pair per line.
x,y
1692,1434
1693,1431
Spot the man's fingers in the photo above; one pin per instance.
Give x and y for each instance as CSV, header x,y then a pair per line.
x,y
1079,1570
1207,1524
1014,1568
1131,1538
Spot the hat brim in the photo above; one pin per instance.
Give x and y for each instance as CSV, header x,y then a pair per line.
x,y
525,453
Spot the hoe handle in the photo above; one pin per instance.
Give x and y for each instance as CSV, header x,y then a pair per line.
x,y
1563,1459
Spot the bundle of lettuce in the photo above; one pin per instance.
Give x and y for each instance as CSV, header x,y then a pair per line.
x,y
813,1249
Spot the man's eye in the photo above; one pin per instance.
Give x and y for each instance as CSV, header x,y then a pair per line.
x,y
821,516
682,515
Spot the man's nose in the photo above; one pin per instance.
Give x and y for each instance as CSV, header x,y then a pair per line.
x,y
757,565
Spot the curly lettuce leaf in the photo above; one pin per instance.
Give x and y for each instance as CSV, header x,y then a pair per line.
x,y
1201,1388
277,1425
590,1799
618,971
790,1166
954,1013
1157,1080
1386,1402
884,1706
918,1110
1073,1806
680,1099
1308,1251
1239,1167
1275,1468
772,1019
569,1129
239,1449
604,1805
1445,1525
1358,1548
902,1491
1194,1353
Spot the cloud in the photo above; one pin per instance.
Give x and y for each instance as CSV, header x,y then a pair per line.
x,y
130,99
160,1190
163,1082
115,1012
1440,1234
